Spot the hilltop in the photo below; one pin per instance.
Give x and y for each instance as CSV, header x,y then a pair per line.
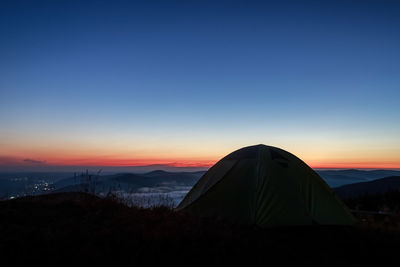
x,y
77,228
378,186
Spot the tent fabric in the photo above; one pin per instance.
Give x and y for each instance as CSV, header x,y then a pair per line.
x,y
266,186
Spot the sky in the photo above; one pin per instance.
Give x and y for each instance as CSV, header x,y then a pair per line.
x,y
183,83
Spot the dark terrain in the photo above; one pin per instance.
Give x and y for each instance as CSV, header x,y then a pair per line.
x,y
17,184
77,228
371,187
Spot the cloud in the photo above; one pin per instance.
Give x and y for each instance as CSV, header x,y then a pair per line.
x,y
34,161
9,161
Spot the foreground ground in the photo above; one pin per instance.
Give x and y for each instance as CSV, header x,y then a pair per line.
x,y
76,228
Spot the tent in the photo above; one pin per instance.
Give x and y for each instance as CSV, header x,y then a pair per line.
x,y
266,186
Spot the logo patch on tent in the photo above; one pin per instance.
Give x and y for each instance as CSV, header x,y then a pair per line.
x,y
281,160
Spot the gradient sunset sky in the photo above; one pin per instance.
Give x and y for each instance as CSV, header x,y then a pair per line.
x,y
184,83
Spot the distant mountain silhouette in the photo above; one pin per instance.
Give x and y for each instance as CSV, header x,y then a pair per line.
x,y
383,185
363,174
130,182
336,178
14,184
155,173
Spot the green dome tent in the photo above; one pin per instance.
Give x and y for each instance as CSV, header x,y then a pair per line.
x,y
266,186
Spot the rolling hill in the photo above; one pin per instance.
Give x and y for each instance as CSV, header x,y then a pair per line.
x,y
336,178
378,186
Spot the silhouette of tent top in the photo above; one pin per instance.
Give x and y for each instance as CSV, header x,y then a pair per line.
x,y
266,186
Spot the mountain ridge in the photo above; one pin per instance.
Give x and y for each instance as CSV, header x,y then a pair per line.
x,y
382,185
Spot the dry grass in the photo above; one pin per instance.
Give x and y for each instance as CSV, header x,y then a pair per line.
x,y
77,228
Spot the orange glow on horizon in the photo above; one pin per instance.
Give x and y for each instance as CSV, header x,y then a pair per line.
x,y
358,166
207,162
137,162
111,162
186,162
189,157
210,163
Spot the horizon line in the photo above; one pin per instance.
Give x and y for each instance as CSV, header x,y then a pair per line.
x,y
46,167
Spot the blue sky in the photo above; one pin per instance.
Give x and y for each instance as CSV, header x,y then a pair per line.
x,y
136,79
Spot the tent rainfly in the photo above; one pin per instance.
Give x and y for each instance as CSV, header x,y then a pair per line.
x,y
266,186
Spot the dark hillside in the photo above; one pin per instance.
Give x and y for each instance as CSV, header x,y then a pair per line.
x,y
361,174
372,187
76,228
337,178
388,202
